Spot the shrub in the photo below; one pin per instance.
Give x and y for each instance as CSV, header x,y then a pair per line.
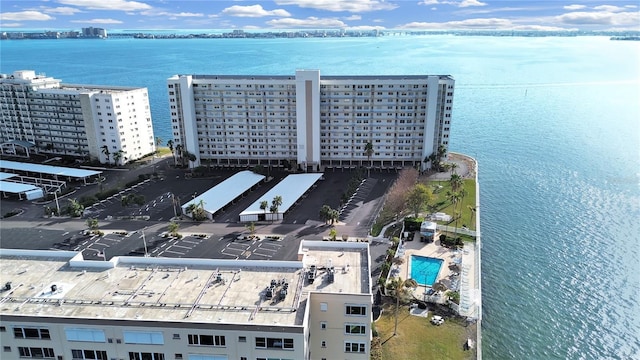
x,y
412,223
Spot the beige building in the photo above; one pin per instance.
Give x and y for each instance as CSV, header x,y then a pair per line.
x,y
310,121
56,305
40,114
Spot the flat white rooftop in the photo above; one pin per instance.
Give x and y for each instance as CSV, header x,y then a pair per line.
x,y
47,169
290,188
220,195
12,187
176,290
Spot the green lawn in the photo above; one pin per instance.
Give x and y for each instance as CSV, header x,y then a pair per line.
x,y
444,205
417,338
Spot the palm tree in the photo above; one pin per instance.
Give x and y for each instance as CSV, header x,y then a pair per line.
x,y
179,149
453,167
158,143
173,228
117,156
191,157
400,288
275,204
264,204
170,145
472,211
456,182
105,151
368,150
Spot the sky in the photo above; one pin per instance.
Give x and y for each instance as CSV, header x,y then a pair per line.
x,y
554,15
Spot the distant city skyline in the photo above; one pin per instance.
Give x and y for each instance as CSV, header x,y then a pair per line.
x,y
321,14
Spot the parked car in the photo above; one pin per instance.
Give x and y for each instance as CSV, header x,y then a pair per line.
x,y
437,320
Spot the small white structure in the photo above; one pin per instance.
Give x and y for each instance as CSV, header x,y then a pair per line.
x,y
439,216
428,230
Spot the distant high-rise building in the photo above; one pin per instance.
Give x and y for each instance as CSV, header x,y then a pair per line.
x,y
39,113
94,32
311,120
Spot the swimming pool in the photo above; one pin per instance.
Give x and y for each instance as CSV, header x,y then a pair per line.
x,y
425,270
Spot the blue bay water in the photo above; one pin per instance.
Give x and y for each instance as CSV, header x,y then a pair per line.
x,y
554,123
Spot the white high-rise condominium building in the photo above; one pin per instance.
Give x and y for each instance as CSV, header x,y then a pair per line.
x,y
40,114
56,305
310,120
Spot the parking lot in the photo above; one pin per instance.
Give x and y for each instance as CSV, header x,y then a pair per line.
x,y
124,225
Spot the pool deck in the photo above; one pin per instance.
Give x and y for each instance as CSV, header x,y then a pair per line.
x,y
466,278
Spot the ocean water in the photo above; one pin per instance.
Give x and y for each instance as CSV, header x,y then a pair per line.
x,y
554,123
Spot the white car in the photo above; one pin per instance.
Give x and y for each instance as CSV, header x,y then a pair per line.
x,y
437,320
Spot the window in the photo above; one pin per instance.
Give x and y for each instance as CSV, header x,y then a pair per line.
x,y
145,356
7,348
176,336
242,339
89,354
3,329
354,347
323,306
323,344
274,343
34,352
357,329
143,337
207,340
323,325
31,333
207,357
178,356
358,310
80,334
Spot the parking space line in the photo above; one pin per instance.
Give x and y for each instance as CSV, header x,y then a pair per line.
x,y
174,252
184,247
263,255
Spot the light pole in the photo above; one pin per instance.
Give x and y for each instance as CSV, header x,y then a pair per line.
x,y
55,194
144,240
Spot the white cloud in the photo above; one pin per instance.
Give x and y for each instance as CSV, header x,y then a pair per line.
x,y
254,11
378,20
365,28
355,6
462,4
10,25
97,21
480,24
353,17
123,5
600,18
310,22
611,8
467,3
61,10
574,7
157,12
25,16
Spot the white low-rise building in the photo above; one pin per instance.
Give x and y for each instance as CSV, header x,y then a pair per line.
x,y
56,305
311,122
40,114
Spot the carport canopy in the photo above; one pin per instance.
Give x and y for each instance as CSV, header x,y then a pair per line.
x,y
48,169
290,189
222,194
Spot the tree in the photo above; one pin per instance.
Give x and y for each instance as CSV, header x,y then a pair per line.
x,y
368,150
117,156
401,289
173,228
252,228
158,143
197,211
328,214
453,167
419,198
472,213
275,204
456,182
264,204
75,209
105,151
190,156
179,149
170,145
333,233
92,223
